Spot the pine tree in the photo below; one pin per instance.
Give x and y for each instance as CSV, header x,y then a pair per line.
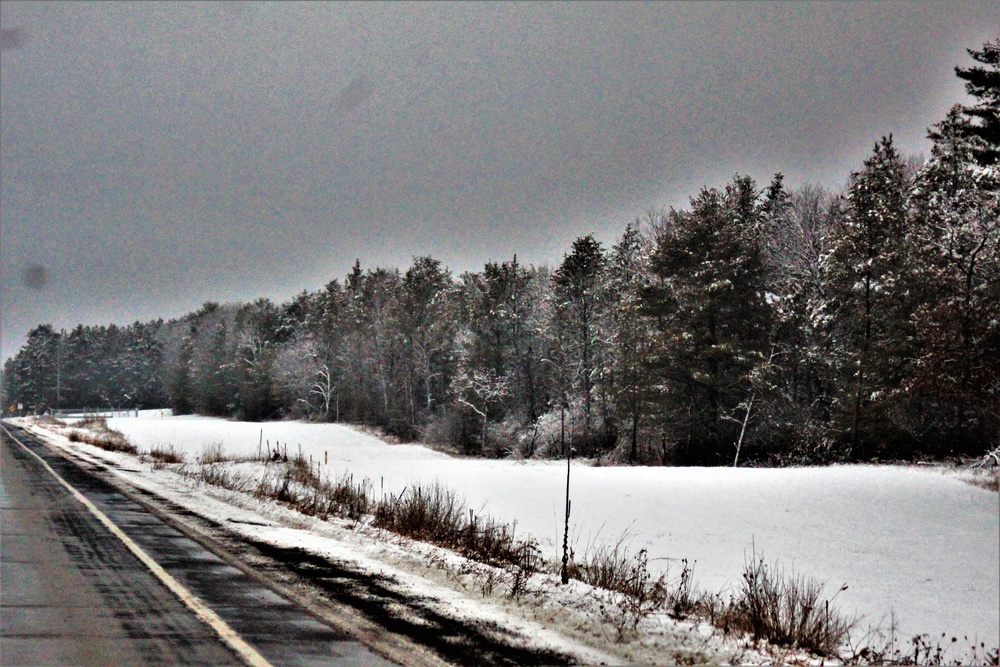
x,y
77,361
956,203
326,326
33,376
213,367
497,306
867,290
426,322
578,290
708,308
628,277
177,367
373,348
983,83
259,331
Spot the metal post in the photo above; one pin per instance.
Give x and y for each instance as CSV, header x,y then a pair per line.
x,y
565,558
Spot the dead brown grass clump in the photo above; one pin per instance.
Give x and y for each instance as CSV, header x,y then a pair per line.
x,y
213,452
164,455
95,431
435,514
986,480
785,610
49,420
93,422
324,498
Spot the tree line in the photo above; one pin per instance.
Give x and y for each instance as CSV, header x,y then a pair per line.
x,y
759,324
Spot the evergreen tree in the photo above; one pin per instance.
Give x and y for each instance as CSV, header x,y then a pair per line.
x,y
212,364
146,356
76,350
259,331
711,319
33,377
955,397
179,379
628,277
426,321
372,348
326,327
983,83
867,292
578,291
496,309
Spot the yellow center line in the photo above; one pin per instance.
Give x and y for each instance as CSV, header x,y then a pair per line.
x,y
200,609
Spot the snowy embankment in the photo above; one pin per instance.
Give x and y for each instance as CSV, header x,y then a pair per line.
x,y
918,543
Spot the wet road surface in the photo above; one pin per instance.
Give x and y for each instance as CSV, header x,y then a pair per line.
x,y
72,592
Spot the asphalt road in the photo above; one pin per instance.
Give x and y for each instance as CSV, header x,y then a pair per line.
x,y
129,589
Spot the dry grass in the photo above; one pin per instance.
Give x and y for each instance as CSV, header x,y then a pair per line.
x,y
785,610
342,498
617,569
95,431
435,514
213,452
226,477
985,479
782,609
881,646
770,605
639,594
986,471
294,483
432,514
164,455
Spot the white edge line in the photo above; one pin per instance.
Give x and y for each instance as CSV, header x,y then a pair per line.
x,y
200,609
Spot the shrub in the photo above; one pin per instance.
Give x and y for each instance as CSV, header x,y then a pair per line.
x,y
163,455
637,592
213,452
93,422
881,646
785,610
345,498
225,477
558,428
436,515
107,439
986,470
302,488
682,600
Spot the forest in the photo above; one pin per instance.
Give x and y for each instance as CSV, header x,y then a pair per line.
x,y
759,325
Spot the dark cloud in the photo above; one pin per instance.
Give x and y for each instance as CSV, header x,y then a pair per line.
x,y
11,38
163,154
35,276
354,95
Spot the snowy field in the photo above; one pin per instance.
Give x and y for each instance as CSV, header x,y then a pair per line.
x,y
920,543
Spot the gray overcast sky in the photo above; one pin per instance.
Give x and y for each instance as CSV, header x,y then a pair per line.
x,y
156,156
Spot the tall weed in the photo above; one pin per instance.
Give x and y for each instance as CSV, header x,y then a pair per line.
x,y
95,431
785,610
436,515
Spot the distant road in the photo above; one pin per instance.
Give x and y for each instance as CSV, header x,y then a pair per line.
x,y
90,577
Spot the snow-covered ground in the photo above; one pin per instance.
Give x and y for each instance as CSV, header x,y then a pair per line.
x,y
919,543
